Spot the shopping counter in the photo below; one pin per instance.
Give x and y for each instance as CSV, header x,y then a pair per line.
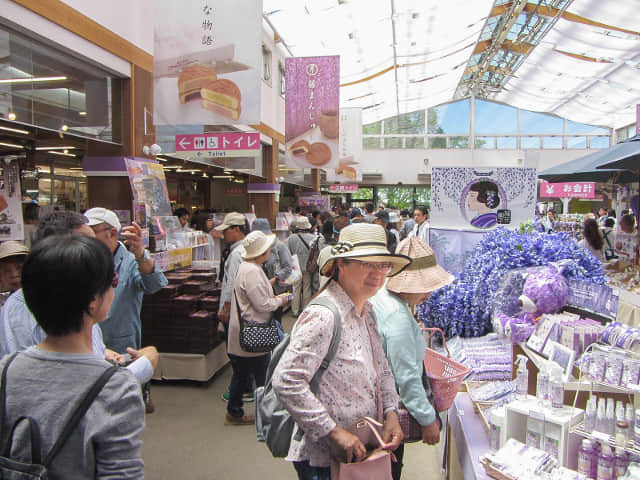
x,y
466,441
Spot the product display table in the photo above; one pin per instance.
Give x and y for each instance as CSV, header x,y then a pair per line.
x,y
467,441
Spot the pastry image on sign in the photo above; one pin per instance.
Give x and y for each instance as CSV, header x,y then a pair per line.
x,y
301,147
3,203
192,79
223,97
319,154
346,171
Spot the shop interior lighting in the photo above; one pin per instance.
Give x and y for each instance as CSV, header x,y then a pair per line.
x,y
15,130
188,170
55,148
221,176
161,158
62,154
64,127
11,145
32,79
82,114
11,116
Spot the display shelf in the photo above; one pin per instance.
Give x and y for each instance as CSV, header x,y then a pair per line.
x,y
630,446
599,387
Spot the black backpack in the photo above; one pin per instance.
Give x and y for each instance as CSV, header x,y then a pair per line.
x,y
37,469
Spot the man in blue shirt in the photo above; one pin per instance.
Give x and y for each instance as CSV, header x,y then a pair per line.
x,y
137,273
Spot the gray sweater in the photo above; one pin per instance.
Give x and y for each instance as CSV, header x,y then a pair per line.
x,y
47,386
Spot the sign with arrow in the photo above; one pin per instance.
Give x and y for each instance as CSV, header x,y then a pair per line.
x,y
229,144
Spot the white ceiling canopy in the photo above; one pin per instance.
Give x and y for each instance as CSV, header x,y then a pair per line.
x,y
578,59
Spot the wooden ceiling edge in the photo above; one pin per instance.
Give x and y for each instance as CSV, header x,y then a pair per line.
x,y
269,132
69,18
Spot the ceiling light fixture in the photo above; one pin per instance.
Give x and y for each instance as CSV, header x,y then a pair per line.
x,y
63,154
82,114
11,116
64,127
32,79
56,148
11,145
14,130
189,170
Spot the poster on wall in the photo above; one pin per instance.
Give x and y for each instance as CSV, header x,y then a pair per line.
x,y
207,62
11,224
478,199
312,121
149,186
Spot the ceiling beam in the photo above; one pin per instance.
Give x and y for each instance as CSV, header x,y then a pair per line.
x,y
516,47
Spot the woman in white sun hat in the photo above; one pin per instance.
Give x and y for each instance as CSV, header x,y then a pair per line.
x,y
404,344
257,303
359,265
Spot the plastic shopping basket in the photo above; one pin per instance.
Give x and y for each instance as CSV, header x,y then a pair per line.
x,y
446,375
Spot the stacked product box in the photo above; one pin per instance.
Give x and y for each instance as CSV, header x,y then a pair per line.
x,y
182,317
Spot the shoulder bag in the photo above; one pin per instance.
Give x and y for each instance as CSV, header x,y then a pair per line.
x,y
257,337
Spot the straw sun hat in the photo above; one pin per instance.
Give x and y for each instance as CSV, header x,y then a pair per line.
x,y
256,243
424,275
366,242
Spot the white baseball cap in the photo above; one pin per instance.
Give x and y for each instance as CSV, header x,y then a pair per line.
x,y
100,215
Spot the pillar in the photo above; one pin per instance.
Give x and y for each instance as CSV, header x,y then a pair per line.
x,y
315,179
265,204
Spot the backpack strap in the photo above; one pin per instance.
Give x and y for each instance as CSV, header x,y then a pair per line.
x,y
79,412
6,440
305,243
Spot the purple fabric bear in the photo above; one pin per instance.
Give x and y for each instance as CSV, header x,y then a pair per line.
x,y
545,291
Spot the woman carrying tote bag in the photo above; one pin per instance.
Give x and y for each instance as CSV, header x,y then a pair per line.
x,y
255,305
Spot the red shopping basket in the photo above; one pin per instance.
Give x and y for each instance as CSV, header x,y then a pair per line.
x,y
446,375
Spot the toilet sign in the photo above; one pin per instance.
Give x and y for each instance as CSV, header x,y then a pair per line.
x,y
230,144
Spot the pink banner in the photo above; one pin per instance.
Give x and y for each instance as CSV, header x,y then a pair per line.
x,y
343,188
312,122
568,190
218,141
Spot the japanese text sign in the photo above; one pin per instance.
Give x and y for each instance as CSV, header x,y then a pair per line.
x,y
207,62
231,144
343,188
312,121
568,190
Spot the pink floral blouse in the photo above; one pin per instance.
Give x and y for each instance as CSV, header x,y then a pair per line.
x,y
347,389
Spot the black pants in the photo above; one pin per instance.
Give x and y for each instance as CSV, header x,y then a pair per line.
x,y
396,467
243,369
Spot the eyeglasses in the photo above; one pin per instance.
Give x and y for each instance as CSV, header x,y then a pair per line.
x,y
114,282
384,268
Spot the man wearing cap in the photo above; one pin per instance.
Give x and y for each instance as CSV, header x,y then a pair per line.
x,y
234,228
19,329
299,244
12,255
137,272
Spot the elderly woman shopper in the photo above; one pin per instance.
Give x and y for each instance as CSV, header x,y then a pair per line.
x,y
348,388
403,342
46,382
278,266
254,300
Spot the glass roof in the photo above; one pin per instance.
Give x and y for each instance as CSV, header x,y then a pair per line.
x,y
578,59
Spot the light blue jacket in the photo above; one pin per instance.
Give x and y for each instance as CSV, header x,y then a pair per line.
x,y
122,328
404,346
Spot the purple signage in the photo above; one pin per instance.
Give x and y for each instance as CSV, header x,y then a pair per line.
x,y
312,122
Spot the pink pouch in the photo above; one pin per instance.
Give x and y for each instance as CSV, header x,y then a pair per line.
x,y
376,465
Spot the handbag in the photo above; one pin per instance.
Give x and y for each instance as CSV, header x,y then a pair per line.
x,y
411,429
296,273
376,465
257,337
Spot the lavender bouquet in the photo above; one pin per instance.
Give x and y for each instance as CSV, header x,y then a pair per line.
x,y
464,307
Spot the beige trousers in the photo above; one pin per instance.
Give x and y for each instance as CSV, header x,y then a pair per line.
x,y
301,293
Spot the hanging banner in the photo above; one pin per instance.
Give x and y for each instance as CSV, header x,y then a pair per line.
x,y
348,169
482,198
207,62
11,223
149,186
312,122
568,190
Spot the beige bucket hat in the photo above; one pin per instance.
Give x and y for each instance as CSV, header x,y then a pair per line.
x,y
367,242
256,243
233,219
424,275
12,248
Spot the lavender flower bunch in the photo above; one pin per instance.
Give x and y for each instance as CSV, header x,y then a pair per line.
x,y
464,307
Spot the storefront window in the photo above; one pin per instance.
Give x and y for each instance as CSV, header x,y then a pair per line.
x,y
51,89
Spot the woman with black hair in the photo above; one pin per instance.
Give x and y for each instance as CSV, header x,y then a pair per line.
x,y
592,239
483,198
68,285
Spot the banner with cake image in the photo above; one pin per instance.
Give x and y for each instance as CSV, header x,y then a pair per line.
x,y
348,169
11,223
207,62
312,123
